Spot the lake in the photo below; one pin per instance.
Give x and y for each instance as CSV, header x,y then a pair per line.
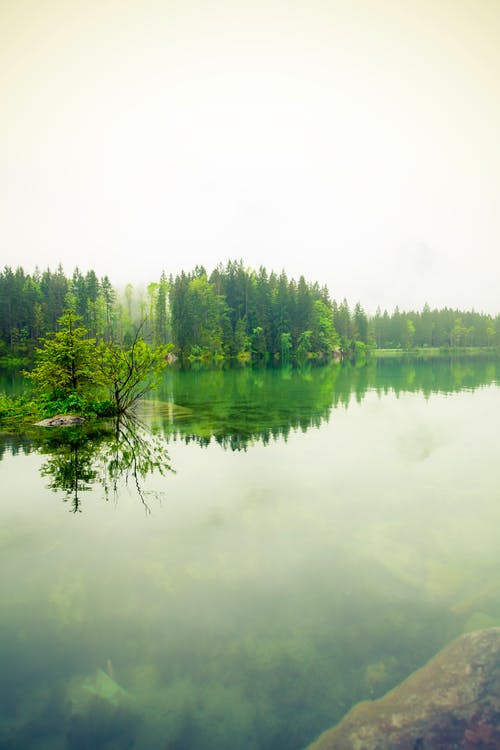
x,y
261,551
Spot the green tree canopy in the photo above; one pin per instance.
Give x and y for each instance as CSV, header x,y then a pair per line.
x,y
128,373
65,363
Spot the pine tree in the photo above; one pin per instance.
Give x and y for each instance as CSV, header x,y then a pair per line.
x,y
65,361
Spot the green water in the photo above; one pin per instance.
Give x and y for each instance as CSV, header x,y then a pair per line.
x,y
269,548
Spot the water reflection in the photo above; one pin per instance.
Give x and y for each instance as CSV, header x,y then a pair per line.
x,y
237,408
281,587
80,458
234,408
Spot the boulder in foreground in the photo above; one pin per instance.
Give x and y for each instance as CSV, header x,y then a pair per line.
x,y
452,702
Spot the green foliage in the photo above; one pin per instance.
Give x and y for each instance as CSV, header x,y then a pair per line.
x,y
233,313
409,334
238,313
16,410
359,351
258,341
434,328
101,408
199,316
161,313
74,374
304,346
324,337
128,373
74,403
65,362
286,345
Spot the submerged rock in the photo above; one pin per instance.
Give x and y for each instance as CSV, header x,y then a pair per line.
x,y
83,690
60,420
452,702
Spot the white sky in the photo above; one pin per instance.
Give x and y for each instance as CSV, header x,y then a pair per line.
x,y
355,141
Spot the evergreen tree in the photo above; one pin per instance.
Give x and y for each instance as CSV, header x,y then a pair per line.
x,y
65,361
360,324
160,320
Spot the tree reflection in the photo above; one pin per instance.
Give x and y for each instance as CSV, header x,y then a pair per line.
x,y
132,454
235,409
70,466
81,458
238,408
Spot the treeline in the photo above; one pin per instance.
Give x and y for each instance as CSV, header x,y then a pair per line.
x,y
434,328
236,312
239,312
32,304
233,312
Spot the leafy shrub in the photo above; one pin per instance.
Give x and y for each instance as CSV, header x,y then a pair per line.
x,y
17,409
104,408
70,404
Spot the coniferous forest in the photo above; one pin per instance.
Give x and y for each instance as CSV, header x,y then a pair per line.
x,y
232,312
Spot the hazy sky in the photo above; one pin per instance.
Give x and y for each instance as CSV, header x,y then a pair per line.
x,y
355,141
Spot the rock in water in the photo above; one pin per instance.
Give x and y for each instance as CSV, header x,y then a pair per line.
x,y
61,420
452,702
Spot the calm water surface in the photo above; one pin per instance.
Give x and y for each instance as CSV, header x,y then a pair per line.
x,y
272,547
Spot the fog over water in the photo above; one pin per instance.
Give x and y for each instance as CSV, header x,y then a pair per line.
x,y
356,144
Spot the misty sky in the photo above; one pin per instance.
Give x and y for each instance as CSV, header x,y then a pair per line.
x,y
354,142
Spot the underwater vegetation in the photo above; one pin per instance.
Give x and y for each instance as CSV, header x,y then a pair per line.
x,y
253,596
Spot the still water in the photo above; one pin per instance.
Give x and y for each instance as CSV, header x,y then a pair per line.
x,y
262,551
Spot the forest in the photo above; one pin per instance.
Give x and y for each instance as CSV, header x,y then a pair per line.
x,y
230,313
